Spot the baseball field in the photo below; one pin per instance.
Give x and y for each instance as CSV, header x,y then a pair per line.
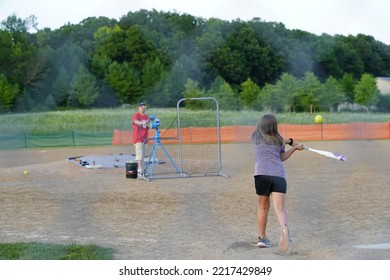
x,y
338,210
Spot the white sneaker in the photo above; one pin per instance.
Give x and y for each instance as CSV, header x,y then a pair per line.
x,y
263,242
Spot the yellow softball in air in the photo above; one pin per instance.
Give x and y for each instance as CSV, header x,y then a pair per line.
x,y
25,172
318,119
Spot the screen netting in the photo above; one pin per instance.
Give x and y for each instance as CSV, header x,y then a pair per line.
x,y
197,148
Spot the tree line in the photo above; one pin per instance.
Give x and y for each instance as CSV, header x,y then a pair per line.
x,y
161,57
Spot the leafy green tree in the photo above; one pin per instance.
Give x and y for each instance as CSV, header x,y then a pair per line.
x,y
207,44
58,71
250,95
8,93
331,94
152,81
5,51
170,89
242,56
16,48
272,100
72,100
347,83
129,61
156,52
126,82
172,84
100,65
367,51
37,81
192,90
103,35
230,65
343,58
69,57
163,96
366,91
109,42
39,65
287,91
223,92
152,73
14,24
61,87
309,96
138,48
130,45
183,22
84,87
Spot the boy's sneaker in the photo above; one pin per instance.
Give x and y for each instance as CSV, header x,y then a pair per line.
x,y
263,242
284,239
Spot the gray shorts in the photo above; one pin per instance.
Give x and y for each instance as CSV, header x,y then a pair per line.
x,y
265,184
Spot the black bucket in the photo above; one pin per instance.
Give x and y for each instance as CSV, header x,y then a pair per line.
x,y
131,170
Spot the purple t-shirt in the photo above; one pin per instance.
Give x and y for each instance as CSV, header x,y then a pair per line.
x,y
268,161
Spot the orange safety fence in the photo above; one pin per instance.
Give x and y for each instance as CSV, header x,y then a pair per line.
x,y
310,132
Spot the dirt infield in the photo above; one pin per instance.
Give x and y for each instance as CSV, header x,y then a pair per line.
x,y
333,206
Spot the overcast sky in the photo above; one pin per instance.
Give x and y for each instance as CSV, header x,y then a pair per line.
x,y
345,17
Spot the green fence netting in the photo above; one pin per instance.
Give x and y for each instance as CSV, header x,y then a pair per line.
x,y
63,139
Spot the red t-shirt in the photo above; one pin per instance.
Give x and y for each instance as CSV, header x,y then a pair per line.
x,y
140,132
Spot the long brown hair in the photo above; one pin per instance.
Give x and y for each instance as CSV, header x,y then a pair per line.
x,y
267,131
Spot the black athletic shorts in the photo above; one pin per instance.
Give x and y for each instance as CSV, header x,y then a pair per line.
x,y
265,184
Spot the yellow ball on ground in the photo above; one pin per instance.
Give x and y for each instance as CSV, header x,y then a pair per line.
x,y
318,119
25,172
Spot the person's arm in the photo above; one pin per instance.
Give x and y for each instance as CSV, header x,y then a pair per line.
x,y
295,146
137,122
291,142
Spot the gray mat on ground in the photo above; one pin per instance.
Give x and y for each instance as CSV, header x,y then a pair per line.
x,y
103,161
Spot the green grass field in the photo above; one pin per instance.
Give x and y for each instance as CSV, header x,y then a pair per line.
x,y
43,251
99,120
